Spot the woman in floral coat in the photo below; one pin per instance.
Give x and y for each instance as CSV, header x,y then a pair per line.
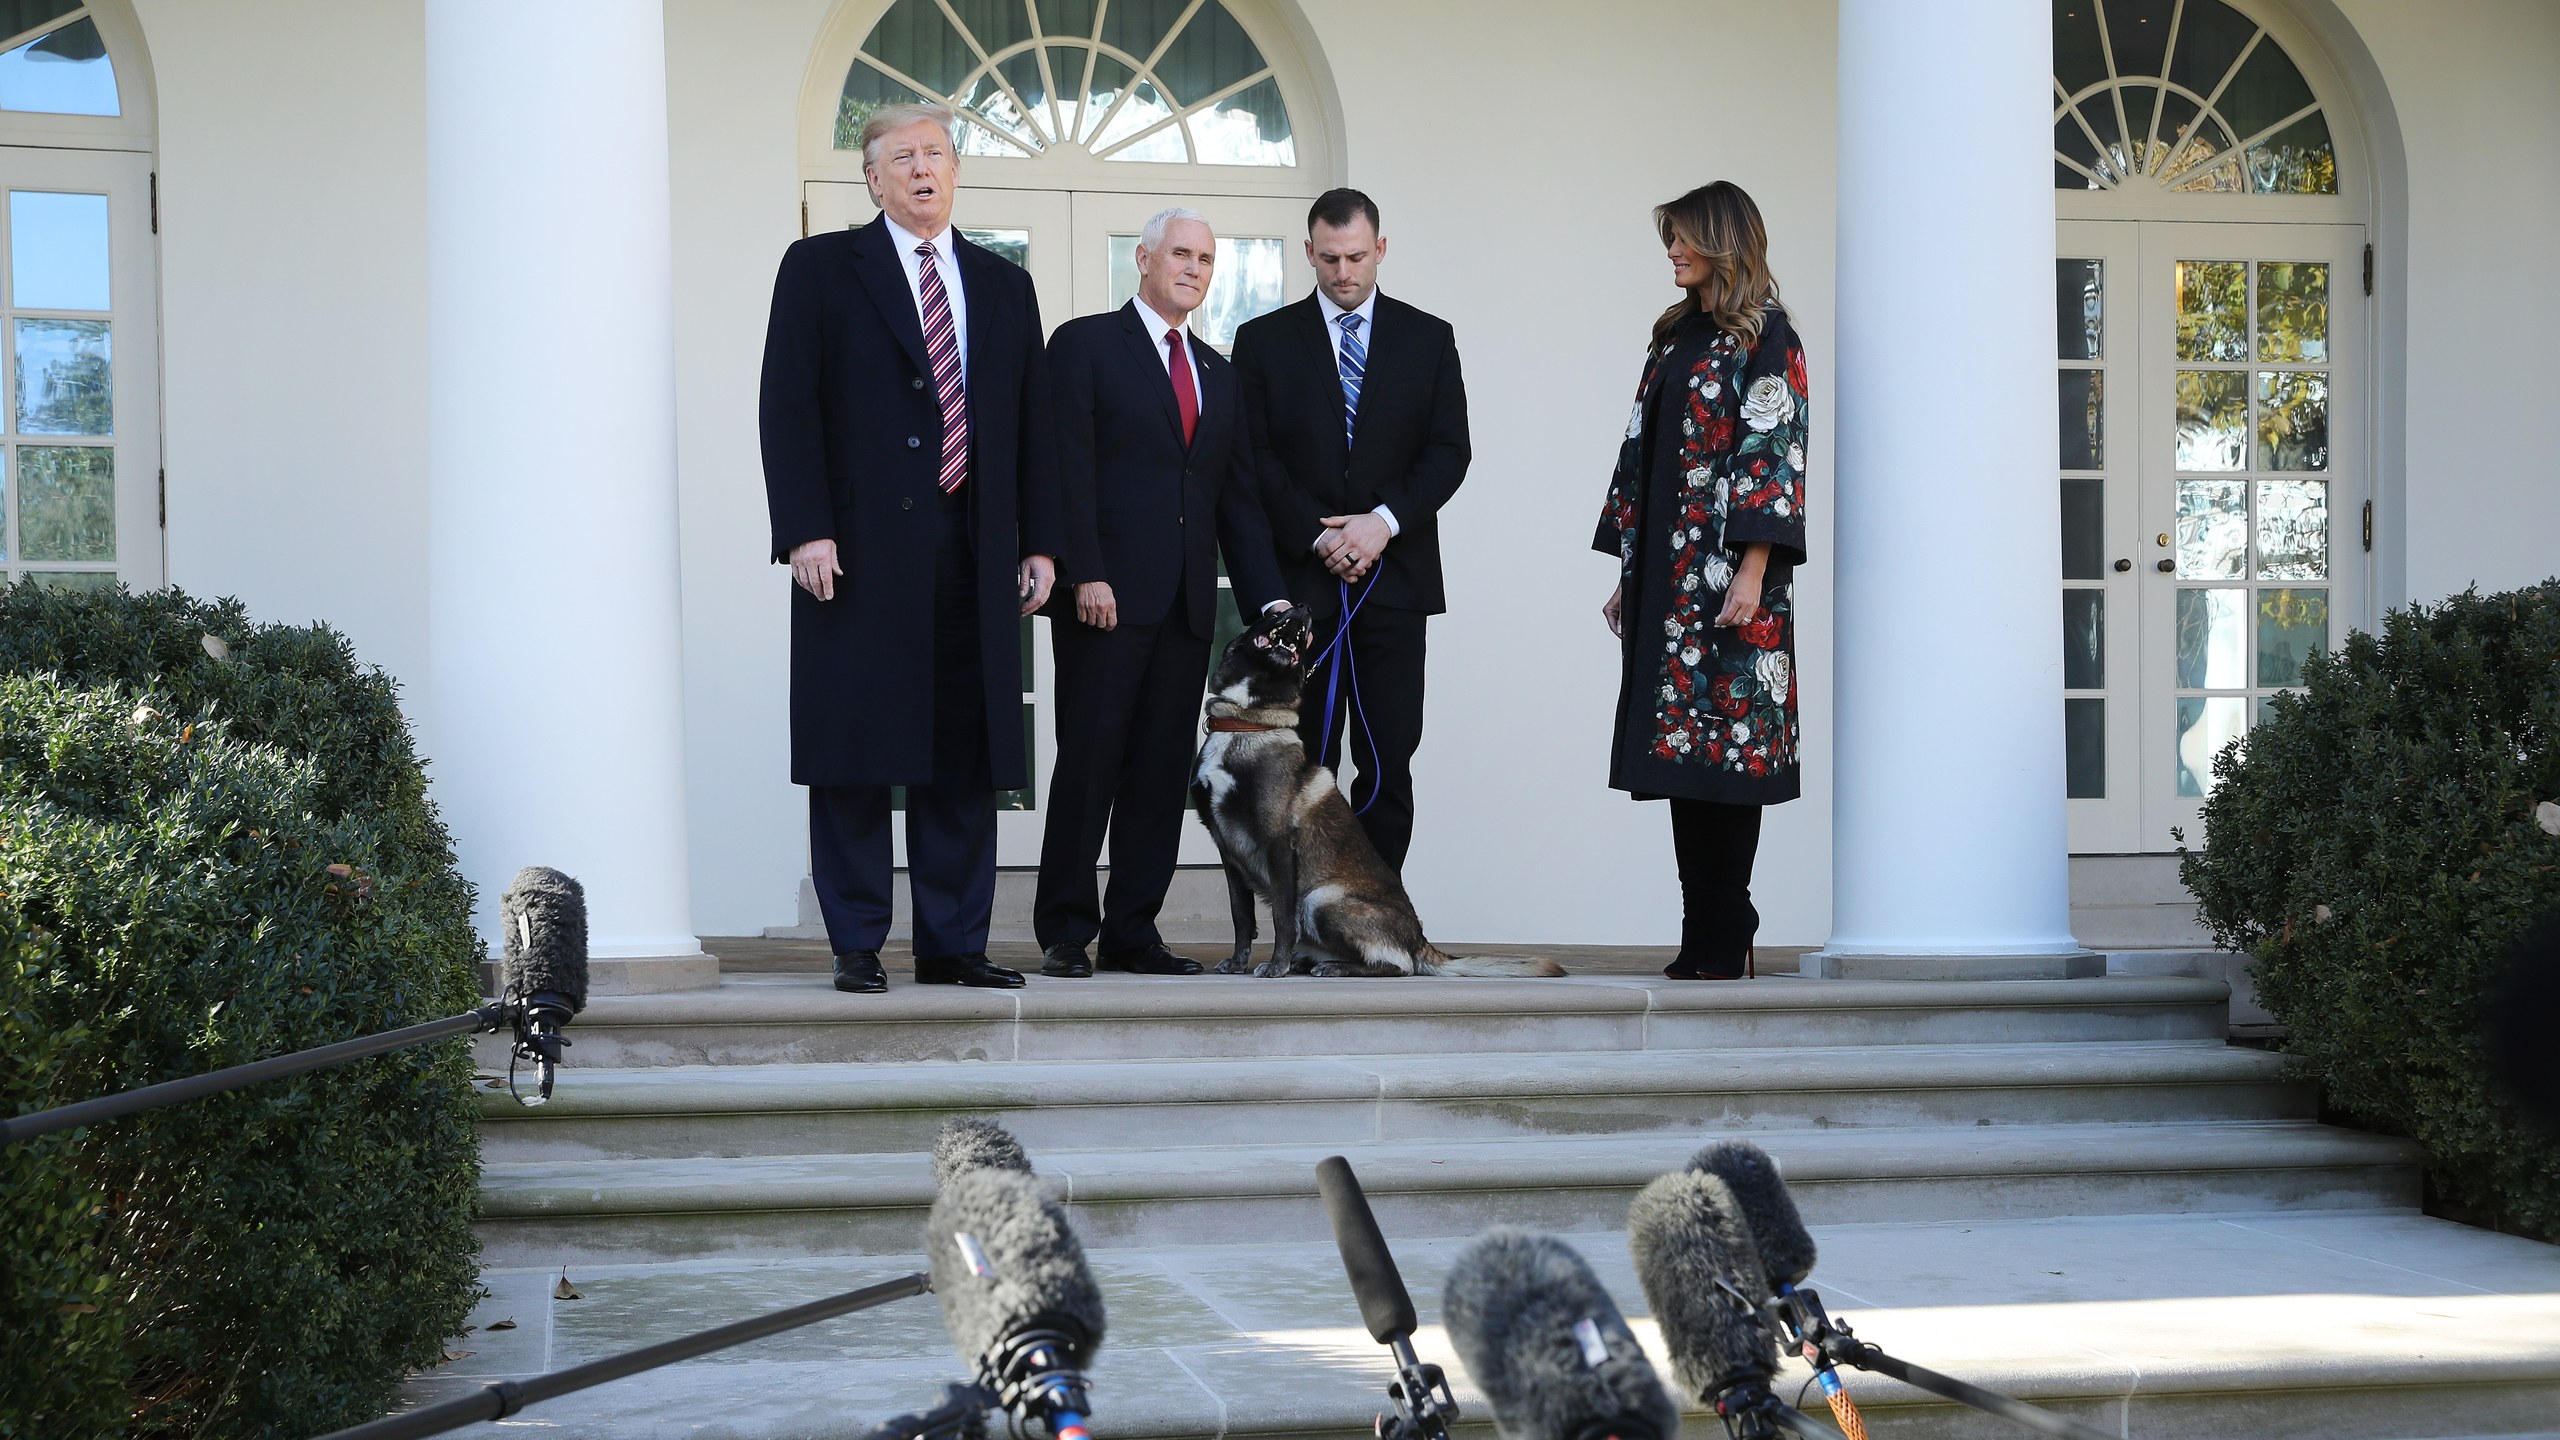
x,y
1706,517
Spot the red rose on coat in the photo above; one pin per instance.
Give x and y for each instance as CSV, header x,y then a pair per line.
x,y
1765,630
1731,704
1795,373
1719,434
1758,766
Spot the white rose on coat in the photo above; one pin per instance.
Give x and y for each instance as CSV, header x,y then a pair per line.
x,y
1795,458
1719,571
1775,672
1769,404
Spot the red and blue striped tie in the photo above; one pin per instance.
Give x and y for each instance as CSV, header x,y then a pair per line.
x,y
942,347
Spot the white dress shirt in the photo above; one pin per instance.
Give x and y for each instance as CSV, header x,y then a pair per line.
x,y
1157,325
1368,313
945,261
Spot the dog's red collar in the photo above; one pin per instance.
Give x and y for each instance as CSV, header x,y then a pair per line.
x,y
1230,725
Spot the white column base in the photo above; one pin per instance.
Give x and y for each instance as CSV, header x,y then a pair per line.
x,y
2074,964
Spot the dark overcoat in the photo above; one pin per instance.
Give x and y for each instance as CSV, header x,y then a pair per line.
x,y
1713,461
852,431
1130,486
1410,456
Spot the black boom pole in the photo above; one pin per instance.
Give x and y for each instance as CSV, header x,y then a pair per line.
x,y
496,1402
493,1016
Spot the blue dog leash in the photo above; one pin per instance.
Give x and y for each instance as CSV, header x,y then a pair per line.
x,y
1332,656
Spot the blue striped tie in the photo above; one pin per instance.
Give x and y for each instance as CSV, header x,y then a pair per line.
x,y
1355,363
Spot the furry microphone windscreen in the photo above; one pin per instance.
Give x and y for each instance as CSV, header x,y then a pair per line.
x,y
1547,1346
545,916
1004,1261
1687,1235
972,1142
1786,1247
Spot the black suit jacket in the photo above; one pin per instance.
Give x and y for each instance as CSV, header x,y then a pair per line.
x,y
1411,453
852,431
1130,488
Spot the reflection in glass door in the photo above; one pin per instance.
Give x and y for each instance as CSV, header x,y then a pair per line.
x,y
79,493
2255,490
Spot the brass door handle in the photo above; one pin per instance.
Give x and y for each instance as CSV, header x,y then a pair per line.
x,y
2123,565
2167,567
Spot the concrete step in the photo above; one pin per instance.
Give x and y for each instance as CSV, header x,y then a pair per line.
x,y
2341,1326
798,1019
682,1112
561,1211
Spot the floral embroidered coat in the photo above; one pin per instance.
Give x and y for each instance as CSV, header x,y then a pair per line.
x,y
1713,460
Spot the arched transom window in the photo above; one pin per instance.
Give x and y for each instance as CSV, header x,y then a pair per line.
x,y
1144,80
53,61
2185,95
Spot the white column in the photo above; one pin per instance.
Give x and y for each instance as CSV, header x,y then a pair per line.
x,y
556,716
1947,826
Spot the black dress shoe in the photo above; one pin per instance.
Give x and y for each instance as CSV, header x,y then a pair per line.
x,y
1065,962
1153,960
974,971
860,974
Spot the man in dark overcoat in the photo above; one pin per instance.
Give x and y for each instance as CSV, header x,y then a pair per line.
x,y
1151,436
1360,419
907,459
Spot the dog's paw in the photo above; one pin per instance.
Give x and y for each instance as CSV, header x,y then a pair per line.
x,y
1331,971
1232,965
1270,970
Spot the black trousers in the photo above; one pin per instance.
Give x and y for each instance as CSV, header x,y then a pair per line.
x,y
1715,845
1128,725
1384,674
951,823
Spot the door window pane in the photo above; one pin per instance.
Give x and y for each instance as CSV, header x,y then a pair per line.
x,y
2213,529
2084,639
2293,530
1013,245
2084,440
64,73
1250,127
2213,419
2212,647
2084,749
57,250
2083,529
2213,310
2079,308
2297,160
2293,312
65,381
66,502
2205,725
2293,420
2293,625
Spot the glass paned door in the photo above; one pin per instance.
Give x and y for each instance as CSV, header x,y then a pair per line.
x,y
2254,485
79,488
2098,324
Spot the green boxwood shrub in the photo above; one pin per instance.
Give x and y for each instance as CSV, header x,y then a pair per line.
x,y
2378,845
213,851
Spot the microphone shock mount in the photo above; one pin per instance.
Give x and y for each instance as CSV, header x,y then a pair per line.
x,y
1029,1375
538,1042
1424,1407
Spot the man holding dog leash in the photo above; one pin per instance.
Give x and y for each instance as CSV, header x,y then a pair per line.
x,y
1359,420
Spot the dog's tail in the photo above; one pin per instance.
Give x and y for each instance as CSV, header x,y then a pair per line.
x,y
1432,960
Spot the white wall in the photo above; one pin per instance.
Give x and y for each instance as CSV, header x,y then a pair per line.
x,y
293,278
2476,85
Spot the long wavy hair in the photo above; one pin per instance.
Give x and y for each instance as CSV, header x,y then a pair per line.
x,y
1719,222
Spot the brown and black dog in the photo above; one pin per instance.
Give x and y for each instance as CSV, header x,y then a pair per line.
x,y
1287,834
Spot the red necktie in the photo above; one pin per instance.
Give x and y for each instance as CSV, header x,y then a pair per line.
x,y
1186,396
942,347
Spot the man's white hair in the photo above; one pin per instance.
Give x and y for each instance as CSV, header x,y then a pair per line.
x,y
1153,235
889,119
